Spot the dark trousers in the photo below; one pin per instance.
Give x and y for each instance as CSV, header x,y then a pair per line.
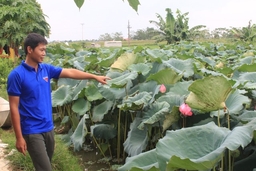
x,y
41,148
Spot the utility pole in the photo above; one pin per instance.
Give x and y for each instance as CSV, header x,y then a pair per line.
x,y
82,31
129,36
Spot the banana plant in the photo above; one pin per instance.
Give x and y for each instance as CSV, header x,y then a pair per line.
x,y
173,29
246,33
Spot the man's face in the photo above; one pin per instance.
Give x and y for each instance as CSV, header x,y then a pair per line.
x,y
38,54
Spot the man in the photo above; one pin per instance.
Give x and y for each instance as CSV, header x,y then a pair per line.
x,y
29,92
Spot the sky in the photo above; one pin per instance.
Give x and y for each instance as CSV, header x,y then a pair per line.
x,y
97,17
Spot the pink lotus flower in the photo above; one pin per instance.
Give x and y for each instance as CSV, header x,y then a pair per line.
x,y
162,89
185,110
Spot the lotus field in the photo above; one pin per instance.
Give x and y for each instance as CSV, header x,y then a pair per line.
x,y
187,106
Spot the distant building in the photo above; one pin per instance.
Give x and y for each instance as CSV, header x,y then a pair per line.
x,y
113,44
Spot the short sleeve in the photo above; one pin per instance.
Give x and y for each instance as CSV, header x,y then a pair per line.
x,y
14,84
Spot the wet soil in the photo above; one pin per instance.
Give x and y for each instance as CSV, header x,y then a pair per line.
x,y
93,160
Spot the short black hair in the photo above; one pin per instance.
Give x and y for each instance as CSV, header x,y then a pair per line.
x,y
32,40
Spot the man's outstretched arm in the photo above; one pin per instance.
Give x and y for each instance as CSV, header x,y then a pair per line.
x,y
80,75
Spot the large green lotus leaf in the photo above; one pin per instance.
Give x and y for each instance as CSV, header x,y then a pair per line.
x,y
92,93
67,50
186,163
155,113
79,65
61,96
240,136
195,146
235,103
200,147
124,61
171,99
100,110
250,86
114,74
140,56
248,78
79,134
137,139
67,81
156,67
247,68
78,88
184,67
171,117
157,55
165,76
184,56
82,53
78,62
81,106
121,81
236,75
136,102
181,88
103,131
246,60
209,93
210,72
112,94
140,68
141,162
138,49
92,58
247,115
227,71
108,61
204,59
222,53
149,86
198,66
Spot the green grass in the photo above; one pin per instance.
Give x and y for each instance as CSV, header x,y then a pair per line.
x,y
63,159
3,92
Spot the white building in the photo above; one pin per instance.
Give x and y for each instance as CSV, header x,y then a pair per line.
x,y
113,44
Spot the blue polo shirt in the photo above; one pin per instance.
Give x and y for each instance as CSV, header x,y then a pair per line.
x,y
34,90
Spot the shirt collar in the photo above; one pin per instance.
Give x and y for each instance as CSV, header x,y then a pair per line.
x,y
29,67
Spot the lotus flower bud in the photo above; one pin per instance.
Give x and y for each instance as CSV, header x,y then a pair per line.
x,y
162,89
185,110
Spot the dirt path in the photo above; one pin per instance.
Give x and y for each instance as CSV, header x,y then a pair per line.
x,y
4,163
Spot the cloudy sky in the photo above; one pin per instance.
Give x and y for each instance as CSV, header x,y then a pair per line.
x,y
97,17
